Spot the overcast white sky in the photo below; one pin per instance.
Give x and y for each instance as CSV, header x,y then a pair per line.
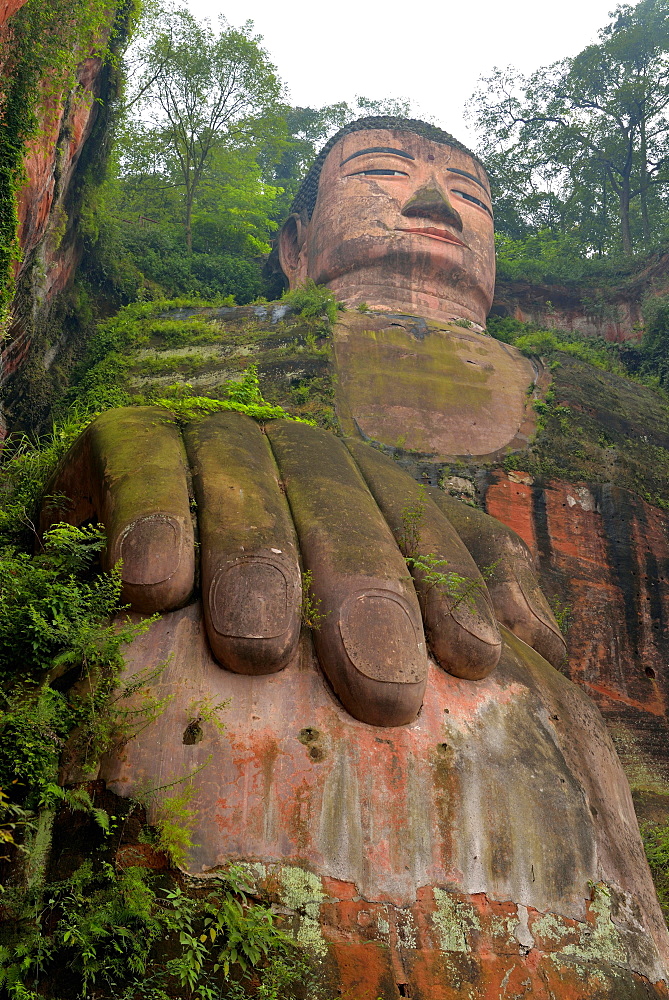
x,y
432,53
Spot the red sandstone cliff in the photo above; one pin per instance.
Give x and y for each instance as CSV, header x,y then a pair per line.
x,y
9,7
605,551
70,135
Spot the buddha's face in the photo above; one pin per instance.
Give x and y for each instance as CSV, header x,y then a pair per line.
x,y
401,223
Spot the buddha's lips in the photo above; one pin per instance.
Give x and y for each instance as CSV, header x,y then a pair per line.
x,y
436,234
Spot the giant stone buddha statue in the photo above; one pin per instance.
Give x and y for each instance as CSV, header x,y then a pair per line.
x,y
442,812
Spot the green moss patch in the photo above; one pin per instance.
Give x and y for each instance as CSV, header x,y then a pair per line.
x,y
175,350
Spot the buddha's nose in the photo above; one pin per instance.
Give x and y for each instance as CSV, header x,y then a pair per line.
x,y
431,201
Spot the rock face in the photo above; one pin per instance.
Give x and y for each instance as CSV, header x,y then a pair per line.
x,y
70,136
455,386
582,505
606,552
9,7
613,314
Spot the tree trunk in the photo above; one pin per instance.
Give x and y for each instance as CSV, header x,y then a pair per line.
x,y
604,216
189,218
643,188
625,217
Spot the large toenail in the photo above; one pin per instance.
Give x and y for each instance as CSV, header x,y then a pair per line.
x,y
251,599
381,639
150,548
477,618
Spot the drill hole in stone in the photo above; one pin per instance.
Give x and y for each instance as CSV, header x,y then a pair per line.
x,y
649,672
402,990
442,747
193,733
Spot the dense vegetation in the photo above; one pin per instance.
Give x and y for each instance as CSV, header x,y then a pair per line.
x,y
578,151
39,52
595,384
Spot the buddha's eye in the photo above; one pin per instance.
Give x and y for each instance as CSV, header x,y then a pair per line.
x,y
476,201
379,173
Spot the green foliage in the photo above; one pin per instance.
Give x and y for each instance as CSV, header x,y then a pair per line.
x,y
656,845
39,54
54,618
429,569
244,396
50,616
112,373
543,256
311,614
25,471
220,929
199,94
108,931
564,615
313,301
14,821
653,357
534,341
138,260
412,514
33,734
597,426
577,151
174,823
187,207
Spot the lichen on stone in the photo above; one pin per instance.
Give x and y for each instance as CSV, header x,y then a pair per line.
x,y
302,892
453,921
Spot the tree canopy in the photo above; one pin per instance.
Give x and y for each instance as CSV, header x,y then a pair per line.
x,y
580,149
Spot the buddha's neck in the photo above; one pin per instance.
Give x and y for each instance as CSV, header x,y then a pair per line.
x,y
368,289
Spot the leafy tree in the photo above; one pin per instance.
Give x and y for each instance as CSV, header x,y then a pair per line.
x,y
575,141
198,93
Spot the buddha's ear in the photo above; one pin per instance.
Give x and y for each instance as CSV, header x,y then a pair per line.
x,y
292,243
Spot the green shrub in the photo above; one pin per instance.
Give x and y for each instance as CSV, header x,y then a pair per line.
x,y
312,301
535,341
244,396
108,931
